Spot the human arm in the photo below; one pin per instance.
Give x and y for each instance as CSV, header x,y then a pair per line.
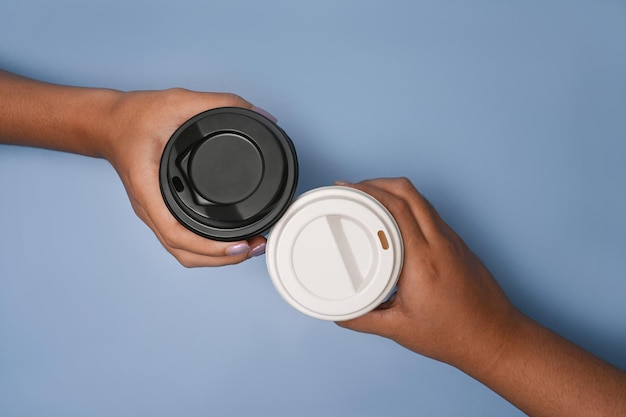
x,y
130,130
449,307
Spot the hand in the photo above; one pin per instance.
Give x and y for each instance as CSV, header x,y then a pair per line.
x,y
447,304
128,129
141,124
449,307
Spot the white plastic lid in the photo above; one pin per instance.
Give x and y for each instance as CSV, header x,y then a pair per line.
x,y
336,253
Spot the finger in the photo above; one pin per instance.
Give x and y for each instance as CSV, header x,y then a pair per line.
x,y
233,100
257,246
429,220
173,234
234,252
177,237
379,321
214,100
193,260
398,207
189,103
404,188
265,113
416,245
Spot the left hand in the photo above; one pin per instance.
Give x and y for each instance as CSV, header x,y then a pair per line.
x,y
141,124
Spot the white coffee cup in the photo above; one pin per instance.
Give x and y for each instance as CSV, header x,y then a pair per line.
x,y
335,254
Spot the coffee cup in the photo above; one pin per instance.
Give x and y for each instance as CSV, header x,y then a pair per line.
x,y
228,173
335,254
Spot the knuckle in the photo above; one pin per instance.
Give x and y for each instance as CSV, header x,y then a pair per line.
x,y
177,91
173,96
186,259
405,184
232,99
430,267
136,186
398,206
186,262
170,240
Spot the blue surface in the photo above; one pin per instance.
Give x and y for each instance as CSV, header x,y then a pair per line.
x,y
509,117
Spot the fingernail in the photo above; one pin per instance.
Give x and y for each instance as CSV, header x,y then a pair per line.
x,y
342,182
237,249
257,250
265,113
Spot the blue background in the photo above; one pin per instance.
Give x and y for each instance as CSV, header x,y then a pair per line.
x,y
509,116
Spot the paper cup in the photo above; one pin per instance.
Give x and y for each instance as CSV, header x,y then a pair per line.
x,y
336,253
228,173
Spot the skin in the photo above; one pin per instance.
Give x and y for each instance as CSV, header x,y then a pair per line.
x,y
130,130
448,307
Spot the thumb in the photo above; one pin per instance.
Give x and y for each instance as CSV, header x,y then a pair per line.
x,y
379,321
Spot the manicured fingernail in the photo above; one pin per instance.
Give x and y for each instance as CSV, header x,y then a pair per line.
x,y
238,249
342,182
265,113
257,250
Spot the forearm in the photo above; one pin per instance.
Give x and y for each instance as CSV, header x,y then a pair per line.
x,y
545,375
70,119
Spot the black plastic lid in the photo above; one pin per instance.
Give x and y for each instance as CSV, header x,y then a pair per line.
x,y
228,173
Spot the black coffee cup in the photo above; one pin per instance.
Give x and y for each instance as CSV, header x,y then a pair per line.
x,y
228,173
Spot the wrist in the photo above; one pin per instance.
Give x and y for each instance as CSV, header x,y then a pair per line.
x,y
489,348
64,118
94,121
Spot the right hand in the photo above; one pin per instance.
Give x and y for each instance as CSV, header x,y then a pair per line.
x,y
447,305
